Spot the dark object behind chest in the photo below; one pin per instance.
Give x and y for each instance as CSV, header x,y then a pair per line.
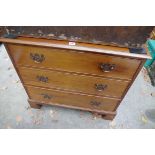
x,y
123,36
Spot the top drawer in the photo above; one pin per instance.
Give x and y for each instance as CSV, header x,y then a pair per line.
x,y
74,61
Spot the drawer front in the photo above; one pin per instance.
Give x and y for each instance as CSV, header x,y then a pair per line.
x,y
74,82
74,61
71,99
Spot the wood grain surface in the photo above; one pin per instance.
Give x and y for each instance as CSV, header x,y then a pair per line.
x,y
52,96
73,82
74,61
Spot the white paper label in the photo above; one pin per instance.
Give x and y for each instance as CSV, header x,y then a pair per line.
x,y
72,43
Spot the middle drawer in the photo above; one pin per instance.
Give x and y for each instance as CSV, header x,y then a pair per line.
x,y
73,82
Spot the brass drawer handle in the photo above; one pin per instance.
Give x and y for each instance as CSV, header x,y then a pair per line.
x,y
95,103
37,58
46,96
107,67
100,87
42,78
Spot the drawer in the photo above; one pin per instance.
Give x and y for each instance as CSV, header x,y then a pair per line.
x,y
51,96
74,61
74,82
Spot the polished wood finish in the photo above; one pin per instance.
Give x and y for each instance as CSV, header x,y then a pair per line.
x,y
73,61
87,77
108,115
73,82
53,96
95,48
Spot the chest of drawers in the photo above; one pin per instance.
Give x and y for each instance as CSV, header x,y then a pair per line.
x,y
74,75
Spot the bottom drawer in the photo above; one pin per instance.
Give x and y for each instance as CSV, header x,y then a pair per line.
x,y
57,97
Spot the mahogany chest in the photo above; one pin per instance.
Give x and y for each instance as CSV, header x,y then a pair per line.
x,y
77,75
